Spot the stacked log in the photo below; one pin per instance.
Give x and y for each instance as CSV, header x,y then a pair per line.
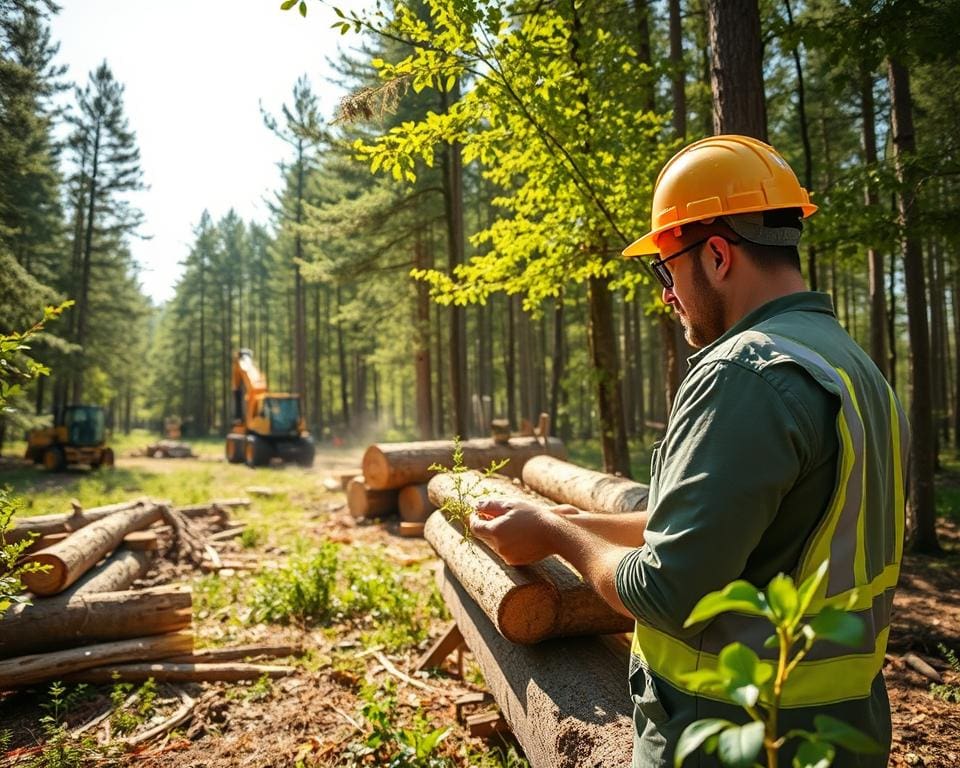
x,y
94,626
413,503
527,604
366,502
585,489
394,465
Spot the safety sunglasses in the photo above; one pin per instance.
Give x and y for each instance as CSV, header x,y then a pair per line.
x,y
658,269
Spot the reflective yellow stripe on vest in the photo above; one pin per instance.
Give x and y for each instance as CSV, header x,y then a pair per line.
x,y
830,673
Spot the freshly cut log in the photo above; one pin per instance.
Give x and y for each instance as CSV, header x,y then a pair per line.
x,y
523,608
70,521
116,573
527,604
394,465
565,700
178,673
74,556
22,671
585,489
45,541
66,622
364,502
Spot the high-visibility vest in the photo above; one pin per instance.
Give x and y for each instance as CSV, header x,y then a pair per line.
x,y
829,673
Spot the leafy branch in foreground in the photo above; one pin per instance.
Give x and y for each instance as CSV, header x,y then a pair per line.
x,y
460,507
741,678
947,691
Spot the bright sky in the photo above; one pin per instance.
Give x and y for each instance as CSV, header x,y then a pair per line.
x,y
195,73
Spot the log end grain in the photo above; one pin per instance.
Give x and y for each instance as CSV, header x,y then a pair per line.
x,y
376,467
49,581
528,614
414,504
357,497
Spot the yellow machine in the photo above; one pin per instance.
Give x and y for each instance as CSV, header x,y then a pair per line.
x,y
76,437
266,424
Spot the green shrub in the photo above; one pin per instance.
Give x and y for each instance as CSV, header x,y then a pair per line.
x,y
302,591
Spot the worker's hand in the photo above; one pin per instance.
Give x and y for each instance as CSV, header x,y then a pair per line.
x,y
518,531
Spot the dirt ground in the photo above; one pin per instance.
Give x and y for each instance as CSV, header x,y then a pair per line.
x,y
314,718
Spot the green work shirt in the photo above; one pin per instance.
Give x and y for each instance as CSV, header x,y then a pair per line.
x,y
743,475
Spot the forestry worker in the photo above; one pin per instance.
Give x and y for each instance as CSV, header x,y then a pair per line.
x,y
785,448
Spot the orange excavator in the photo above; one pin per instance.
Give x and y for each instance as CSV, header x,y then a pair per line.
x,y
266,424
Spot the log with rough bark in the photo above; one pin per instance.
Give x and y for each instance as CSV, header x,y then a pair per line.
x,y
237,653
70,521
65,622
75,555
23,671
413,503
585,489
565,700
394,465
116,573
527,604
177,673
364,502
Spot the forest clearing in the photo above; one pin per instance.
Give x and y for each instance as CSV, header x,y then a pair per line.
x,y
429,383
341,706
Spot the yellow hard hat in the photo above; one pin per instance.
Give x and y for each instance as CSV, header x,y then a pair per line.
x,y
720,176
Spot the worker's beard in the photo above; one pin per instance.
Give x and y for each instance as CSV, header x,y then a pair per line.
x,y
703,320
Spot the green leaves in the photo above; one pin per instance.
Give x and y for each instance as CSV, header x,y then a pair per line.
x,y
738,747
740,596
814,754
837,626
696,734
846,736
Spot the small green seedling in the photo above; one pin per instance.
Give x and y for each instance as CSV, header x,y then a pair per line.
x,y
459,508
742,679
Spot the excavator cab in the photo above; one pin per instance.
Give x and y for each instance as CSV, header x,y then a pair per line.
x,y
78,436
267,425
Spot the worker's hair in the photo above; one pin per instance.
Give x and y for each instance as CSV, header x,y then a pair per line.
x,y
767,257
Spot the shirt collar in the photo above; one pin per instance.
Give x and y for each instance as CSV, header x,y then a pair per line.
x,y
802,301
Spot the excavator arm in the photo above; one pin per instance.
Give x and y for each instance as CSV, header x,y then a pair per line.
x,y
247,382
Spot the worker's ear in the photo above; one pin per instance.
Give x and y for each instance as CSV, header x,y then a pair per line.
x,y
720,256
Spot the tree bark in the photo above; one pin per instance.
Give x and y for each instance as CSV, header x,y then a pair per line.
x,y
565,700
95,617
166,672
394,465
875,269
736,75
23,671
65,522
603,353
922,458
120,570
678,85
74,556
527,604
566,483
424,377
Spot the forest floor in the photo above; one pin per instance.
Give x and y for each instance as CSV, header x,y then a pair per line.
x,y
345,706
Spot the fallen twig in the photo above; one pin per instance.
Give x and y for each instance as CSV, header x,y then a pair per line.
x,y
388,665
187,705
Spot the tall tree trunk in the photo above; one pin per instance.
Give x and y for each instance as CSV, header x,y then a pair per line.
x,y
510,364
938,345
640,394
922,459
878,305
559,367
300,300
736,75
678,85
807,150
342,360
603,353
422,352
317,367
629,381
955,295
453,199
83,304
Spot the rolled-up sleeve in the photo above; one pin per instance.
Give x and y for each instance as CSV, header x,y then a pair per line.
x,y
734,449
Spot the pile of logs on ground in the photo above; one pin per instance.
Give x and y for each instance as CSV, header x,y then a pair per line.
x,y
394,476
551,650
86,624
170,449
